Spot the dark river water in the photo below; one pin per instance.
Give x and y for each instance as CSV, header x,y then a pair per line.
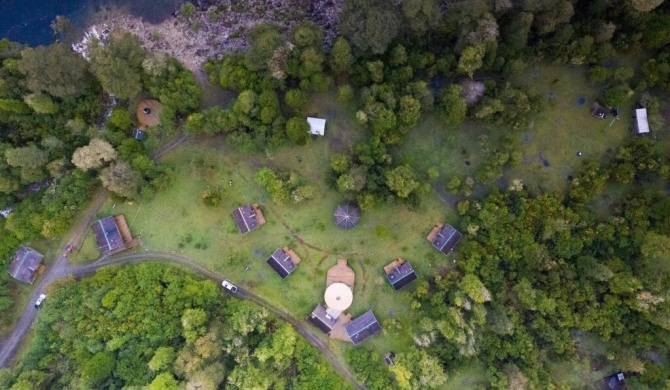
x,y
28,21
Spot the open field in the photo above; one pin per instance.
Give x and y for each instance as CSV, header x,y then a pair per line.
x,y
557,133
177,220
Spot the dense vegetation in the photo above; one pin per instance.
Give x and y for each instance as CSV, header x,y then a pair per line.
x,y
57,142
152,325
536,270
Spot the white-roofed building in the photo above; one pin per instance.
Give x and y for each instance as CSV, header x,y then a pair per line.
x,y
317,126
642,122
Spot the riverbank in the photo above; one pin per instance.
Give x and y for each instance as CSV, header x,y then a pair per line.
x,y
211,32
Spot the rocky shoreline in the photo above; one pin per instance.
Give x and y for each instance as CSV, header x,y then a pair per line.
x,y
217,29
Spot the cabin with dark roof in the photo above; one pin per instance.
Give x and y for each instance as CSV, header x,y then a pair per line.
x,y
399,273
444,238
322,320
113,234
25,264
281,262
248,218
362,327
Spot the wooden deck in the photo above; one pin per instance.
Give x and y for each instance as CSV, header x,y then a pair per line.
x,y
259,214
433,233
295,259
341,273
153,117
393,265
123,228
338,332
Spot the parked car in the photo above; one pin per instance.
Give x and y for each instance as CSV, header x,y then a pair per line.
x,y
226,284
39,301
68,249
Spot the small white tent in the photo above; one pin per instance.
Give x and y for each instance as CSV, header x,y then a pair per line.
x,y
642,123
317,126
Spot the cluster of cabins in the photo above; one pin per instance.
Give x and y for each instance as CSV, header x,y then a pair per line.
x,y
331,317
112,235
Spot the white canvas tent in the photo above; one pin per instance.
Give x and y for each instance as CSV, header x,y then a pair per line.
x,y
642,123
317,126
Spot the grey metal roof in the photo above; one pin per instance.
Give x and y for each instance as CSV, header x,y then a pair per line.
x,y
281,262
245,218
107,234
320,318
362,327
446,239
401,276
24,264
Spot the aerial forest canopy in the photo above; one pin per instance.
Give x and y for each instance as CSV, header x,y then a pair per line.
x,y
540,272
153,325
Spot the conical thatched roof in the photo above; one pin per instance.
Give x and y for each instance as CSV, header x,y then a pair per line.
x,y
347,215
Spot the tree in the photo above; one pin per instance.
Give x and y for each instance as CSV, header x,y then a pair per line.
x,y
121,179
164,381
370,26
162,359
297,130
264,40
475,289
41,103
187,10
421,15
295,98
340,56
54,69
402,180
645,5
120,119
29,157
409,112
515,33
97,153
451,106
599,74
118,65
340,162
98,367
471,59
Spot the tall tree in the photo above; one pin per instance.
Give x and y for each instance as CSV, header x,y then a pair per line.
x,y
94,155
369,25
54,69
118,65
121,179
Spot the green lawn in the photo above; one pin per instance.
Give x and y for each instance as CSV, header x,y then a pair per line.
x,y
176,220
565,127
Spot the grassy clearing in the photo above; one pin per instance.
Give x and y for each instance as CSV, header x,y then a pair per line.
x,y
87,252
565,127
176,219
561,130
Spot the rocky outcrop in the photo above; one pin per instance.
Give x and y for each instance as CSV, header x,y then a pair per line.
x,y
216,27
